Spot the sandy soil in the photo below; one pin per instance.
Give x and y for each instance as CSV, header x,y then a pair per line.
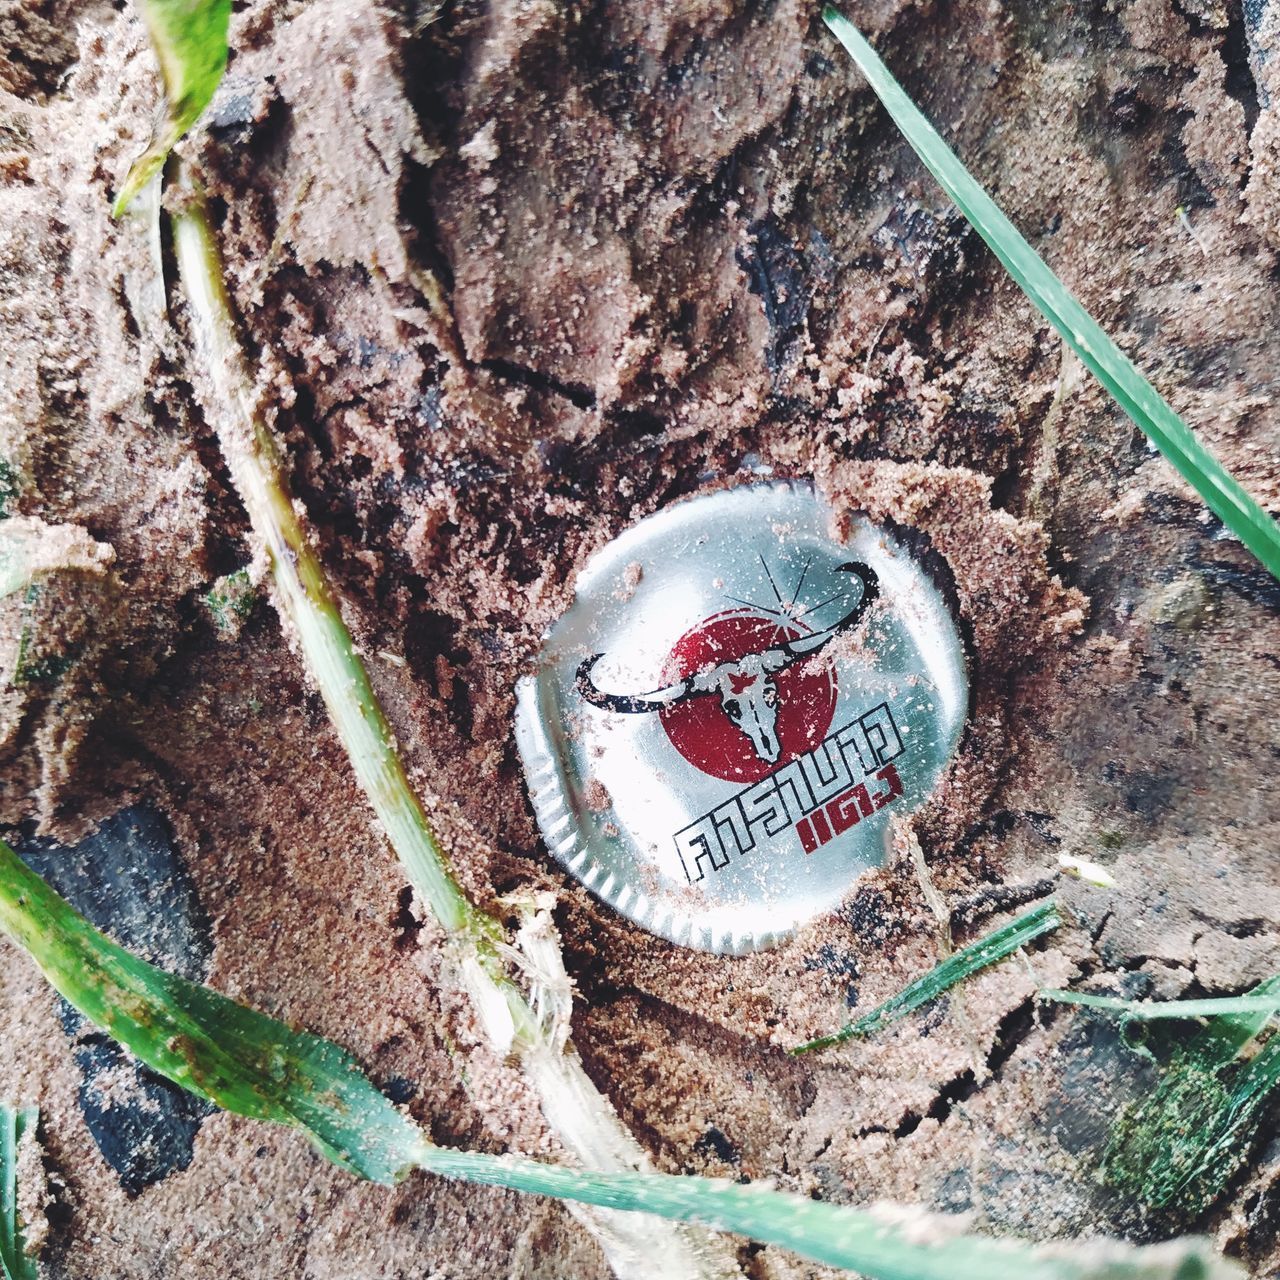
x,y
517,275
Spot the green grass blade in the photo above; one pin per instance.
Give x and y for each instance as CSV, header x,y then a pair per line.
x,y
1236,1020
1178,1146
256,1066
190,42
967,961
237,1058
1152,1010
1135,395
1229,1034
893,1246
15,1264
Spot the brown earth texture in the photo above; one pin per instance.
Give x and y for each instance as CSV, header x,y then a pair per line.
x,y
515,275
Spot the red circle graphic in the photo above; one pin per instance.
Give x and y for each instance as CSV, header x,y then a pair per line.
x,y
700,729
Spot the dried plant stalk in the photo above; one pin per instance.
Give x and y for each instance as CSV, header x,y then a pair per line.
x,y
581,1116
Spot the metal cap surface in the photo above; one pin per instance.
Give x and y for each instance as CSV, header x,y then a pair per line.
x,y
725,721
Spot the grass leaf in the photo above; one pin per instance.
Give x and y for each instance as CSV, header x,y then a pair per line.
x,y
1153,1010
257,1066
15,1263
237,1058
888,1243
965,962
1177,1147
190,42
1135,395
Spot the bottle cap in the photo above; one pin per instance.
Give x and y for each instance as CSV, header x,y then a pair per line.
x,y
725,721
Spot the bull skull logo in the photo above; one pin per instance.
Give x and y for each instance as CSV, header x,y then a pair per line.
x,y
745,686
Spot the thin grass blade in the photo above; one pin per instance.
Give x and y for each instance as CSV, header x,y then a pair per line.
x,y
1235,1020
1154,1010
888,1242
967,961
1131,390
15,1263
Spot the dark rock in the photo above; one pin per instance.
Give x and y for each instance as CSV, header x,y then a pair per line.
x,y
714,1143
840,964
1101,1073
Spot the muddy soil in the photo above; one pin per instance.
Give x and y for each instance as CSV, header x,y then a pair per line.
x,y
517,275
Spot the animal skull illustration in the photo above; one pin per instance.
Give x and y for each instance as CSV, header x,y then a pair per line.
x,y
745,686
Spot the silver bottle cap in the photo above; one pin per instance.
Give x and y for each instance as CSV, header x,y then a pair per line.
x,y
724,723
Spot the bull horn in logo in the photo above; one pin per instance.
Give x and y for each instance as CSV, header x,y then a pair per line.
x,y
745,685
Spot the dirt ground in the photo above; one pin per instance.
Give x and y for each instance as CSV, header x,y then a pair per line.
x,y
517,275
